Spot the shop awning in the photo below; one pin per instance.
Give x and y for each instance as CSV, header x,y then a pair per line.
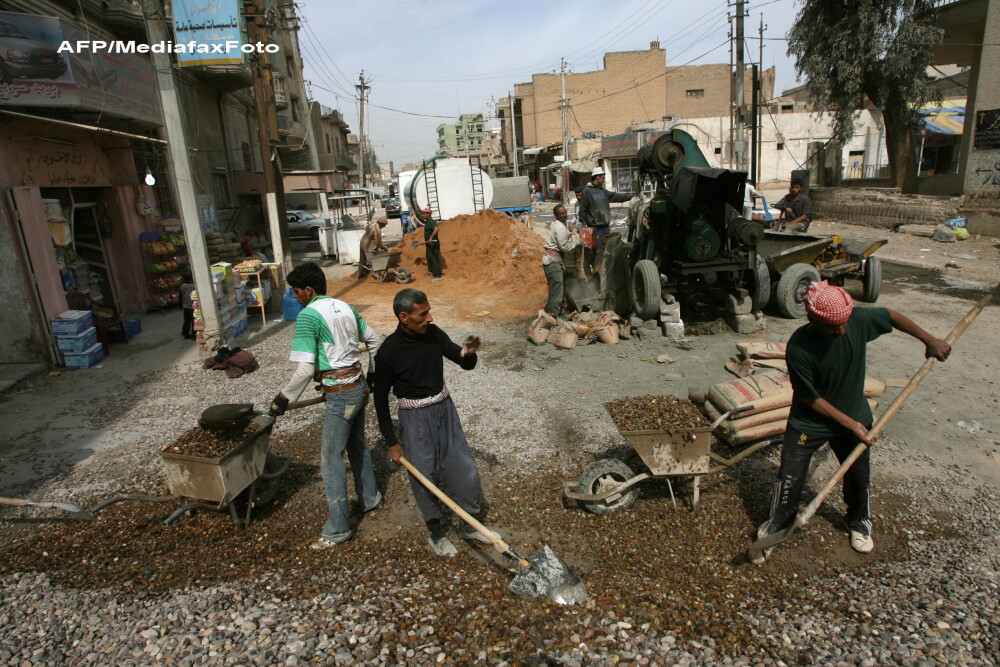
x,y
583,166
948,118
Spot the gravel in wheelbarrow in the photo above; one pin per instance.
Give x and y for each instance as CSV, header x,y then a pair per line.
x,y
210,443
654,412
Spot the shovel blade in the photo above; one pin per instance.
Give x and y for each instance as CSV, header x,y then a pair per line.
x,y
75,511
550,579
775,539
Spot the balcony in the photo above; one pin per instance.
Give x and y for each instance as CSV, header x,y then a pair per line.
x,y
225,78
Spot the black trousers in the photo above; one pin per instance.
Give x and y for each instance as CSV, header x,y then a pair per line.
x,y
187,329
796,453
434,258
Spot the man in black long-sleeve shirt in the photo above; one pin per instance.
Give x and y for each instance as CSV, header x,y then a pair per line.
x,y
410,362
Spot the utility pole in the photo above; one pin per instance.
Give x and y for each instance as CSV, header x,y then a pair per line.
x,y
267,132
740,145
732,98
513,135
564,104
182,181
760,100
363,89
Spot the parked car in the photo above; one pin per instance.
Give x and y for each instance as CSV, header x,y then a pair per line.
x,y
25,58
383,200
392,209
304,223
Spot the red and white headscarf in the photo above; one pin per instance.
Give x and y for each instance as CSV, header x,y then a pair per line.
x,y
828,304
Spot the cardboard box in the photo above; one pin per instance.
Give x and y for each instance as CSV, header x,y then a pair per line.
x,y
79,342
86,359
72,322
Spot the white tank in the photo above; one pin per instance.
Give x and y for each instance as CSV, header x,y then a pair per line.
x,y
455,195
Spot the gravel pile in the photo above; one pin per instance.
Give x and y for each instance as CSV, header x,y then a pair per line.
x,y
665,587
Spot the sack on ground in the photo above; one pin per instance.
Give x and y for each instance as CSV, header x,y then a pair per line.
x,y
538,332
756,349
563,336
766,390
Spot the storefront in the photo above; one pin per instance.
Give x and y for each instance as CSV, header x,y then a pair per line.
x,y
73,198
619,156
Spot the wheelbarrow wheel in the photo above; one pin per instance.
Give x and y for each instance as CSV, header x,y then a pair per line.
x,y
791,294
603,475
871,280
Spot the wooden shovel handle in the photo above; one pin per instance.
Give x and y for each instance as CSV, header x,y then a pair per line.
x,y
315,400
468,518
897,403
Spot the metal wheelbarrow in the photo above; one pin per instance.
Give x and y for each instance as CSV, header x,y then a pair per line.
x,y
385,264
215,483
609,485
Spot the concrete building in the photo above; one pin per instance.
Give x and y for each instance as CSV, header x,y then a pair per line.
x,y
464,138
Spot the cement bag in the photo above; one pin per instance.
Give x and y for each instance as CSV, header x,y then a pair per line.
x,y
756,349
538,332
743,430
606,328
563,336
548,321
765,390
580,329
873,387
754,433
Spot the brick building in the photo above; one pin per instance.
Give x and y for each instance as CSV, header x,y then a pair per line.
x,y
633,87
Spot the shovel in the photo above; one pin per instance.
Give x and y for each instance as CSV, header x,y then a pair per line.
x,y
543,576
65,507
807,513
417,243
235,416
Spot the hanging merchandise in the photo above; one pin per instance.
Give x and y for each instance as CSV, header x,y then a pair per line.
x,y
59,227
165,259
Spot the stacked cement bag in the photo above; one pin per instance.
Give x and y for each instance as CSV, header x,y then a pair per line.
x,y
605,327
769,391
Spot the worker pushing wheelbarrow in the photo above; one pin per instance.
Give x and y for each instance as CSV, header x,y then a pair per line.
x,y
386,265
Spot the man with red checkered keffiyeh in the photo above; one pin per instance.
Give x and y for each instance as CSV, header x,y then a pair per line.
x,y
827,367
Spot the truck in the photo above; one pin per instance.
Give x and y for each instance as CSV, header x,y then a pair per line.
x,y
512,196
448,186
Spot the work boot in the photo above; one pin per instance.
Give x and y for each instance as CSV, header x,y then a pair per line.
x,y
863,544
442,546
378,504
434,280
326,543
758,556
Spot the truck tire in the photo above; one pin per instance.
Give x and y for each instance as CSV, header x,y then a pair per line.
x,y
760,284
792,288
646,289
871,280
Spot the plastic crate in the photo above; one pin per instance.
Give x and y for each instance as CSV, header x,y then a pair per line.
x,y
72,322
132,329
78,343
89,357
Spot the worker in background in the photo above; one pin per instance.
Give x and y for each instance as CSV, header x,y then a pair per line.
x,y
433,244
796,210
371,243
595,207
574,223
827,366
558,241
325,347
411,364
187,305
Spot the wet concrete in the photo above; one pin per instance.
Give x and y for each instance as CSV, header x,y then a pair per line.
x,y
933,281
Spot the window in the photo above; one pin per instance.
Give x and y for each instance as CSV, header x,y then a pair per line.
x,y
781,147
695,92
290,67
295,109
718,150
247,156
787,108
329,146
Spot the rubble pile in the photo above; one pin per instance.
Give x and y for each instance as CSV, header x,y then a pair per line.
x,y
649,413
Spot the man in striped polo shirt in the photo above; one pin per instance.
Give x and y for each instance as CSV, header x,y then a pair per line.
x,y
327,332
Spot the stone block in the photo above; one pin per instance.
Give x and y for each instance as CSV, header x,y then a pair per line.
x,y
651,325
745,324
739,304
673,330
670,311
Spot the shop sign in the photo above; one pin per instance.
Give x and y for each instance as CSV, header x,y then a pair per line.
x,y
214,25
620,145
987,129
45,66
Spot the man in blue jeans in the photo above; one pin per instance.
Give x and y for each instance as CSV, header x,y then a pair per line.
x,y
327,332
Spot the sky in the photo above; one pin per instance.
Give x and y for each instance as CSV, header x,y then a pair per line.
x,y
427,61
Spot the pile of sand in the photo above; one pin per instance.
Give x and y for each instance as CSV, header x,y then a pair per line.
x,y
491,262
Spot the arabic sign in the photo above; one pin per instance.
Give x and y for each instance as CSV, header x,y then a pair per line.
x,y
41,74
212,24
620,145
987,129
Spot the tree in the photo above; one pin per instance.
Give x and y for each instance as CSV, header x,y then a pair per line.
x,y
854,52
